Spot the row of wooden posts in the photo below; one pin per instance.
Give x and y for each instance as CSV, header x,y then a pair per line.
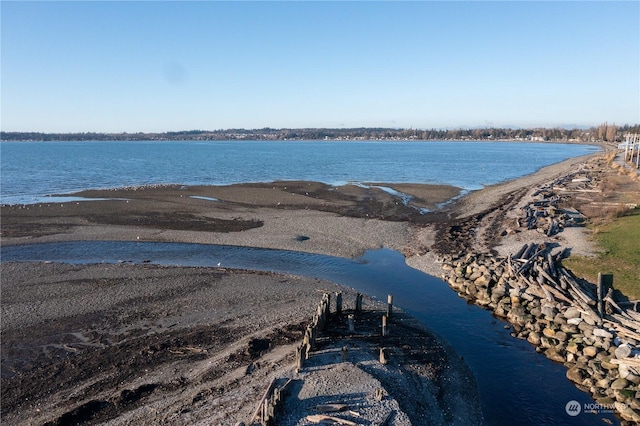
x,y
321,317
266,410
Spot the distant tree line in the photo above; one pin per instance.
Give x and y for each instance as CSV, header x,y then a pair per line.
x,y
604,132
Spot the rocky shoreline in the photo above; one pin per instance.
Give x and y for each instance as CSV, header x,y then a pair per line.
x,y
599,354
569,320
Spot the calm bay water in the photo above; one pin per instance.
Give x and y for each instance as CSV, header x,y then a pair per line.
x,y
31,170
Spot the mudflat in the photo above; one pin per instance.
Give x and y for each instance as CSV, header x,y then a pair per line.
x,y
149,344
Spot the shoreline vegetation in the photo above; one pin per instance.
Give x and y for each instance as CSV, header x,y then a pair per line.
x,y
183,350
603,133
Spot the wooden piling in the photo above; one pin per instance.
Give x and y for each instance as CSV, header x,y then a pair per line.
x,y
383,356
603,280
385,331
389,305
358,303
300,356
338,302
352,325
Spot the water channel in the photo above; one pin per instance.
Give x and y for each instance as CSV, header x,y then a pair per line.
x,y
516,385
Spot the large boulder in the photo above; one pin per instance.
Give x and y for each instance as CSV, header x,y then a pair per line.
x,y
623,351
554,355
619,383
572,312
549,311
561,336
518,315
576,374
601,332
534,338
590,351
572,348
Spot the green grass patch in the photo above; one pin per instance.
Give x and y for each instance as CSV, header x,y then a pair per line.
x,y
619,244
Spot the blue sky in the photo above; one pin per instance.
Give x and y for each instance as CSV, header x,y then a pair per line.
x,y
164,66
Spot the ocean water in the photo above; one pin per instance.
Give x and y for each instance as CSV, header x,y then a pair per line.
x,y
32,170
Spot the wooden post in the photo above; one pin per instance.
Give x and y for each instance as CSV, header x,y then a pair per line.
x,y
358,303
266,418
384,326
352,326
344,353
600,295
383,356
389,305
338,302
327,306
300,356
603,280
320,314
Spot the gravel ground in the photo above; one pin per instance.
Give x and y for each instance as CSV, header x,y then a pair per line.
x,y
143,344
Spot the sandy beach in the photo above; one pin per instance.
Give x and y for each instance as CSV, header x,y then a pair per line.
x,y
147,344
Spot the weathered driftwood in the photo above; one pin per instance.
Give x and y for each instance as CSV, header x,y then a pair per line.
x,y
520,252
321,418
633,362
576,287
328,408
528,252
385,421
547,294
629,323
552,265
541,271
265,396
532,258
558,294
625,332
533,288
609,299
633,314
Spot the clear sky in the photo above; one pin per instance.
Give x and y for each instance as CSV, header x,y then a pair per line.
x,y
155,66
